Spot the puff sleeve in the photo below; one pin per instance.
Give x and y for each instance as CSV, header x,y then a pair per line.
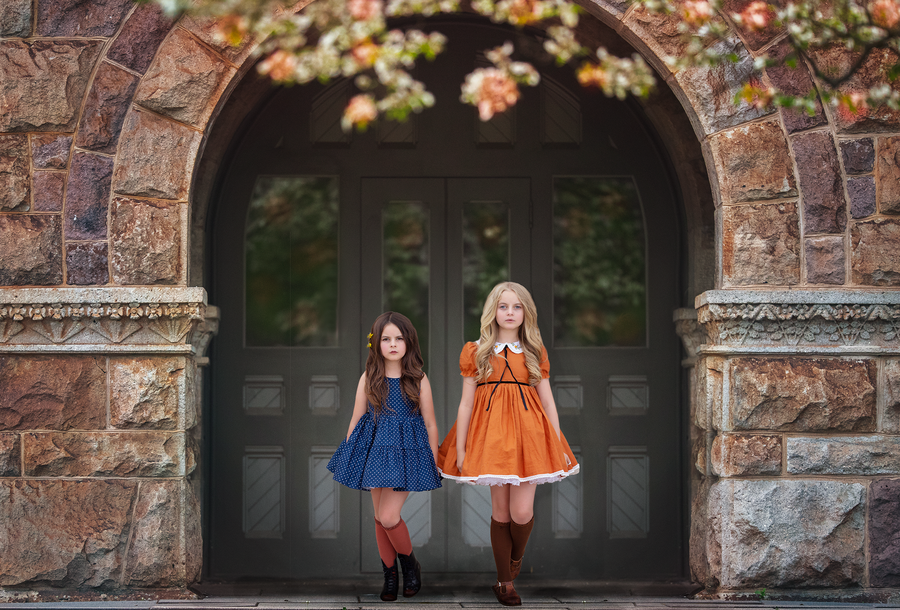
x,y
545,364
467,367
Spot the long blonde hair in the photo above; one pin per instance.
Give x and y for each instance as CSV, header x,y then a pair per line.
x,y
529,333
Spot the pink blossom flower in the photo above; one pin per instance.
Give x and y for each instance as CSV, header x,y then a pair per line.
x,y
852,107
756,16
280,65
524,12
885,13
497,93
363,10
361,110
365,53
697,12
590,74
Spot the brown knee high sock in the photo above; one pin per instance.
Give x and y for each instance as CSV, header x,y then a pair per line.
x,y
519,534
399,535
385,548
501,544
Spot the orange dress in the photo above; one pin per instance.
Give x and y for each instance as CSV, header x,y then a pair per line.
x,y
510,439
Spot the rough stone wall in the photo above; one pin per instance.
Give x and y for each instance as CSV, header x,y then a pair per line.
x,y
797,440
99,437
105,110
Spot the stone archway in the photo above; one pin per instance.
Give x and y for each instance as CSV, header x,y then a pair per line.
x,y
794,236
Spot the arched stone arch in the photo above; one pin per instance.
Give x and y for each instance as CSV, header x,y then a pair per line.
x,y
108,154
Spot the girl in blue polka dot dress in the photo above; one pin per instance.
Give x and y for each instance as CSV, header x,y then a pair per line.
x,y
392,443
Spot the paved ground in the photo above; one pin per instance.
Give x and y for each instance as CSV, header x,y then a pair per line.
x,y
448,595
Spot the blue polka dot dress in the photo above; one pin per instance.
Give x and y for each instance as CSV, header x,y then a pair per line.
x,y
391,450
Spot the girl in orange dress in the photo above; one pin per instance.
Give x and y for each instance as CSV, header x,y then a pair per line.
x,y
507,429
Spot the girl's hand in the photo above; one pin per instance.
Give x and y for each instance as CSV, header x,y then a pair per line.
x,y
460,458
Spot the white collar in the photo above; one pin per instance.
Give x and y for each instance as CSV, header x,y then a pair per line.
x,y
515,347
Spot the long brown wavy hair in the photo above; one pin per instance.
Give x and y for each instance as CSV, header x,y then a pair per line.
x,y
529,333
411,364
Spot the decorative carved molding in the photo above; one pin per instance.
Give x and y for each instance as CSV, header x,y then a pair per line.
x,y
99,316
692,333
802,324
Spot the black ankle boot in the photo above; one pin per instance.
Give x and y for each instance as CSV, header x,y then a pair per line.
x,y
391,582
412,574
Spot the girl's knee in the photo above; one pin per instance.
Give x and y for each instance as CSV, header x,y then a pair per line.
x,y
521,515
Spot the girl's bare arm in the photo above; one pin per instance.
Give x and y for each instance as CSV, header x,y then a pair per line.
x,y
426,408
462,418
545,393
360,404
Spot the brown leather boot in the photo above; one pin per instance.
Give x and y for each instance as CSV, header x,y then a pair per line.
x,y
506,594
515,566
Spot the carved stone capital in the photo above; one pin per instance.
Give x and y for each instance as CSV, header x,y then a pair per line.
x,y
104,319
801,319
691,332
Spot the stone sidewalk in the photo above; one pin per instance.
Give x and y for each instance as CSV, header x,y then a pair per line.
x,y
536,595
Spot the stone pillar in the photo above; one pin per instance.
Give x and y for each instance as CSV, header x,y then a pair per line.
x,y
99,431
797,406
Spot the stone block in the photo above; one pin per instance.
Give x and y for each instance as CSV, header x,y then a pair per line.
x,y
858,155
185,80
760,38
104,111
50,151
140,37
711,91
87,264
803,394
147,249
890,391
64,533
15,18
872,72
875,252
165,174
56,72
52,393
786,534
87,196
884,533
15,183
889,175
64,18
10,455
861,190
794,81
104,454
30,250
824,208
160,553
754,163
736,455
825,260
207,30
48,191
849,455
761,244
658,30
148,392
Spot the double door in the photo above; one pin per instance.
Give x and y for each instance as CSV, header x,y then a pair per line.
x,y
432,248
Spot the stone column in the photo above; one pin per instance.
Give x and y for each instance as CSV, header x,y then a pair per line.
x,y
99,430
798,394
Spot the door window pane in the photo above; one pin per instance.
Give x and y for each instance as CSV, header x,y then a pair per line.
x,y
599,277
485,258
407,271
292,262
